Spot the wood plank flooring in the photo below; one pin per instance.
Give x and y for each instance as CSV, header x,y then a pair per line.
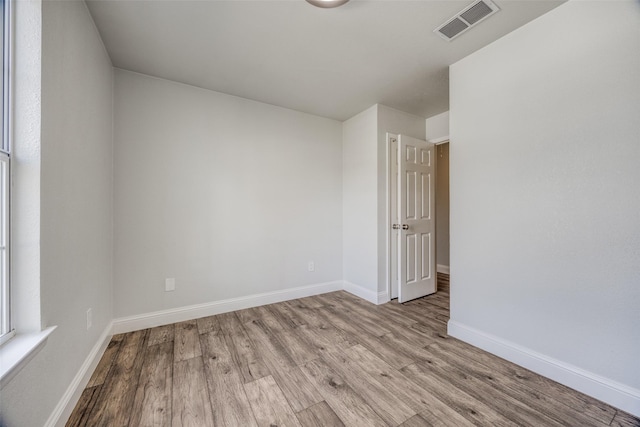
x,y
328,360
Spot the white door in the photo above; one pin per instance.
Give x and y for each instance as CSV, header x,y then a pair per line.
x,y
416,222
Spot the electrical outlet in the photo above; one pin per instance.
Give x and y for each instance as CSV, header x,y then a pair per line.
x,y
169,284
89,319
311,266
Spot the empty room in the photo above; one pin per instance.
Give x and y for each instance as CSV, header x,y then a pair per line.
x,y
320,213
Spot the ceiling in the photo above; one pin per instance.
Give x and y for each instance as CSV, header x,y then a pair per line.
x,y
328,62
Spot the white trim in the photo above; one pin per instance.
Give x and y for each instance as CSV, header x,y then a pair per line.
x,y
441,268
180,314
389,218
17,352
383,297
6,337
67,403
438,141
366,294
359,291
614,393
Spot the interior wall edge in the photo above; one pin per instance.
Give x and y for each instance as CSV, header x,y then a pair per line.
x,y
367,294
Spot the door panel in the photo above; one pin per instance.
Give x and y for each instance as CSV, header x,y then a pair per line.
x,y
426,261
425,196
411,195
412,256
416,191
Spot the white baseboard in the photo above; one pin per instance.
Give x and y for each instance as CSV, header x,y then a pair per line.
x,y
367,294
65,406
615,394
383,297
361,292
180,314
441,268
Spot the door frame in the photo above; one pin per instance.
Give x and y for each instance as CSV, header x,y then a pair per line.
x,y
389,214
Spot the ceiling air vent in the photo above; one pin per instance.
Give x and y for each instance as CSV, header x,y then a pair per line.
x,y
467,18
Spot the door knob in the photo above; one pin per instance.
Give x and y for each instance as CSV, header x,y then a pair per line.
x,y
405,226
396,226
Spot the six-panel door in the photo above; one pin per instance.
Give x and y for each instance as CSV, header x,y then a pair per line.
x,y
416,191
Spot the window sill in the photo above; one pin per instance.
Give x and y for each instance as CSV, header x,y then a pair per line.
x,y
17,352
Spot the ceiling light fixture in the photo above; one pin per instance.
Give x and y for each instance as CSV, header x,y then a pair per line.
x,y
326,4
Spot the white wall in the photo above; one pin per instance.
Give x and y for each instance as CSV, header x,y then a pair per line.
x,y
230,197
360,200
545,194
437,127
75,209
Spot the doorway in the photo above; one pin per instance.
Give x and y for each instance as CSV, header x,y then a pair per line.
x,y
439,263
442,207
411,230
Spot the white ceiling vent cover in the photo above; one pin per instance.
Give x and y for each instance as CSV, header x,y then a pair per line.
x,y
467,18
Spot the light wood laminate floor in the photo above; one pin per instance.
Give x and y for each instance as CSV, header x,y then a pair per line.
x,y
329,360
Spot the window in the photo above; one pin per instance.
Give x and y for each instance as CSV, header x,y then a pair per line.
x,y
5,177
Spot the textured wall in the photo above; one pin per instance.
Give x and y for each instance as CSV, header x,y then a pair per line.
x,y
228,196
545,237
75,213
359,194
